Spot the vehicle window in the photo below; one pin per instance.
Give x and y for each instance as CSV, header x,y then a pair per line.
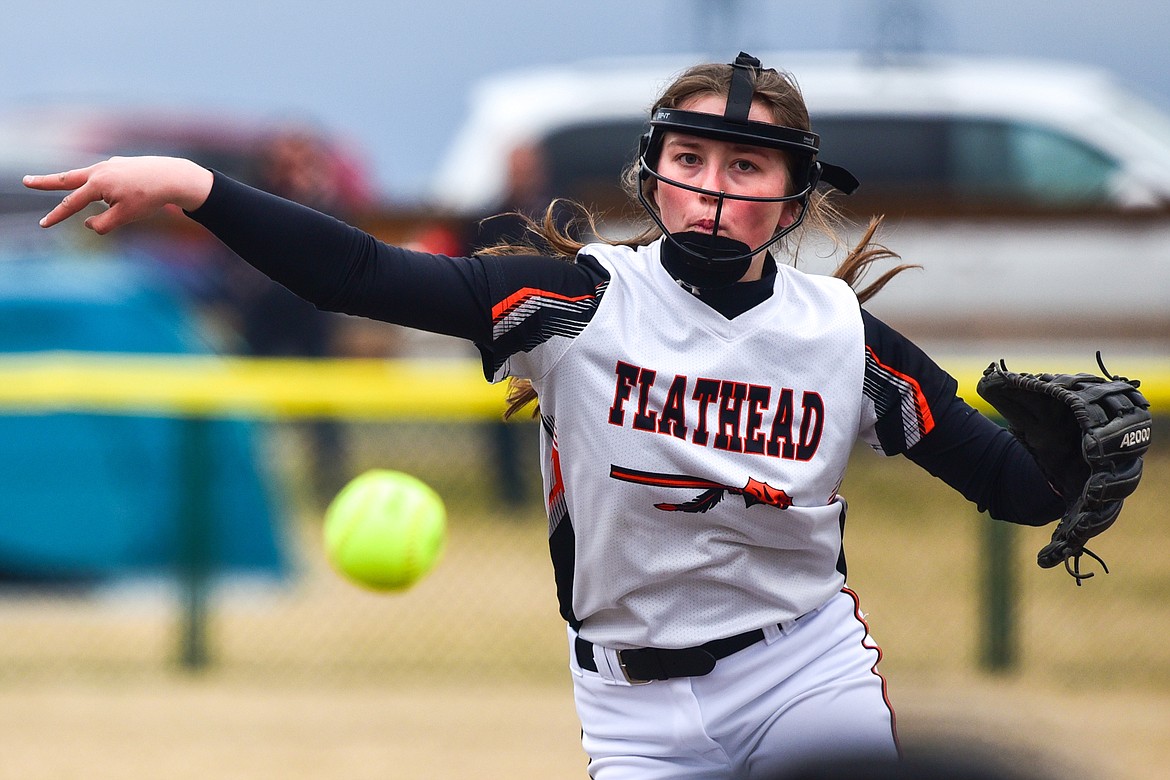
x,y
586,160
1053,168
983,166
1028,164
889,155
908,158
966,160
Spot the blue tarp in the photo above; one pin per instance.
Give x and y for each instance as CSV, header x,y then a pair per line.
x,y
88,496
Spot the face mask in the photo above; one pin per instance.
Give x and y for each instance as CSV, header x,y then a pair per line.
x,y
707,261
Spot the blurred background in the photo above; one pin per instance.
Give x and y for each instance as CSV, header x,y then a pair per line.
x,y
164,603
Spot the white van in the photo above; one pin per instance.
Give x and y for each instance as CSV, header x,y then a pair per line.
x,y
1035,195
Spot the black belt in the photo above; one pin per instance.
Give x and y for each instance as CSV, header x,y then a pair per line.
x,y
644,664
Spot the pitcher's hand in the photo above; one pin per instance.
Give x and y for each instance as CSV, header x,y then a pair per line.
x,y
132,187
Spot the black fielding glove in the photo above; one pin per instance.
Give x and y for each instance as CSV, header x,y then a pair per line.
x,y
1088,434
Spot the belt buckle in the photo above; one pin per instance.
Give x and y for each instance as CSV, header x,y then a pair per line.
x,y
626,672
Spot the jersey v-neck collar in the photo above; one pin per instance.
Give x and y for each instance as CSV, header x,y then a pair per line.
x,y
730,313
740,297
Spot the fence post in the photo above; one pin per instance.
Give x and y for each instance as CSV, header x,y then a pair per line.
x,y
506,462
998,596
194,538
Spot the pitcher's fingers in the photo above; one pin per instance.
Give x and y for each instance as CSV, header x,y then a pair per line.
x,y
113,217
70,205
65,180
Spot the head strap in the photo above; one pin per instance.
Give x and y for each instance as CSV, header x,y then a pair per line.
x,y
788,139
742,87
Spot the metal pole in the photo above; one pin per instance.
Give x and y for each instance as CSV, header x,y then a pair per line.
x,y
999,651
506,452
194,538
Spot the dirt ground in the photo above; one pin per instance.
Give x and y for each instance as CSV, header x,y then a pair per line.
x,y
321,680
217,727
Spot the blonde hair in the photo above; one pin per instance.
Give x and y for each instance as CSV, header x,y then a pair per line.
x,y
779,92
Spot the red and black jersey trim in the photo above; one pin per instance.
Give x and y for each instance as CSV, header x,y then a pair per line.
x,y
903,412
531,316
556,502
562,539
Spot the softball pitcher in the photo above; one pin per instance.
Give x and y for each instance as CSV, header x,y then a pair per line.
x,y
698,402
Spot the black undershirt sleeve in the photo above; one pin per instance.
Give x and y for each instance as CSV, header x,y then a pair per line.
x,y
963,448
340,268
986,465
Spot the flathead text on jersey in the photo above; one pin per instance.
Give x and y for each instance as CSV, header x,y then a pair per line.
x,y
721,413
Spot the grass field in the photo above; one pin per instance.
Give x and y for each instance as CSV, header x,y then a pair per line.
x,y
465,675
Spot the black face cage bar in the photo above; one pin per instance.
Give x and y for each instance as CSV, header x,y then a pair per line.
x,y
735,127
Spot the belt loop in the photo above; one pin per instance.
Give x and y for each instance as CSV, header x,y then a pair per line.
x,y
787,625
609,666
776,630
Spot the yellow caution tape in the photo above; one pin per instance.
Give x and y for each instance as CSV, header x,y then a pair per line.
x,y
210,385
186,385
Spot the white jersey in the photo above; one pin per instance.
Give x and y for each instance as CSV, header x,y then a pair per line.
x,y
699,457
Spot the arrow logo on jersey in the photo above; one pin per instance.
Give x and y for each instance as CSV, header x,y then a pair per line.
x,y
754,492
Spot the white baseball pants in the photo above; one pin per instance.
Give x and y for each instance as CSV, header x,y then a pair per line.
x,y
810,690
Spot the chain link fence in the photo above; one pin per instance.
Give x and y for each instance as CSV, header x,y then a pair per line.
x,y
916,555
